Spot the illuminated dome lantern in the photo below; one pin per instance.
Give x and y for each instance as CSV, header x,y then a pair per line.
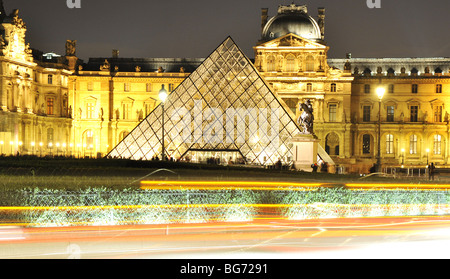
x,y
293,19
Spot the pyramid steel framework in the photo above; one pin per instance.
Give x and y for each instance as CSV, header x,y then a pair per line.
x,y
224,105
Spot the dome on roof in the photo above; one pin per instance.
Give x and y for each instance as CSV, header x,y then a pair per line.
x,y
292,19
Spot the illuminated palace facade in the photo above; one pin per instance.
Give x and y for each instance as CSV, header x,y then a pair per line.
x,y
54,104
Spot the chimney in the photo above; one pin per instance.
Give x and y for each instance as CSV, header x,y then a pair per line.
x,y
264,17
321,22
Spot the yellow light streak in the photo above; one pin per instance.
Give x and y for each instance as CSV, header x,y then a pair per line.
x,y
227,185
395,186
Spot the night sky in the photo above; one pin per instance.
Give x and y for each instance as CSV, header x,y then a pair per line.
x,y
194,28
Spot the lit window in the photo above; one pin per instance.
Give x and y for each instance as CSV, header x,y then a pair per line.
x,y
390,114
437,144
50,135
290,63
333,110
271,64
413,144
366,144
50,106
126,87
310,64
90,109
389,144
438,114
89,140
126,110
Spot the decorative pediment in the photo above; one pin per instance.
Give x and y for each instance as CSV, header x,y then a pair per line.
x,y
292,40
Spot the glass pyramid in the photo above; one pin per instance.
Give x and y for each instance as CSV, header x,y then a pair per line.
x,y
223,106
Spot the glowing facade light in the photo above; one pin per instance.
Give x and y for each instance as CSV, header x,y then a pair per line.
x,y
380,92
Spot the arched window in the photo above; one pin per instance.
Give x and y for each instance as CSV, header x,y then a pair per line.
x,y
50,137
333,87
437,143
332,144
290,63
309,87
88,138
271,63
310,63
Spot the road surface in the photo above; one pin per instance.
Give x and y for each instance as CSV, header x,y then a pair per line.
x,y
383,237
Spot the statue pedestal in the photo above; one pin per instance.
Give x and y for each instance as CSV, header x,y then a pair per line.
x,y
304,150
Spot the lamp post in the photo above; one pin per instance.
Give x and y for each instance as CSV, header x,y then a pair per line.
x,y
380,94
403,157
163,96
33,144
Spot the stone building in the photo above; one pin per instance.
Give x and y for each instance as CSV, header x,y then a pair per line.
x,y
51,104
34,95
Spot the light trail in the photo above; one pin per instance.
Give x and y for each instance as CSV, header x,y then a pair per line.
x,y
327,238
228,185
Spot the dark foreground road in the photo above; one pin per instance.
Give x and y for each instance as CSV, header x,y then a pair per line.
x,y
414,237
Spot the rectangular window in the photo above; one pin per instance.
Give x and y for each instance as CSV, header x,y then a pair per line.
x,y
148,108
413,144
437,145
90,86
171,87
149,87
126,87
389,144
438,114
391,88
390,114
333,87
126,110
367,88
50,106
415,88
438,88
333,110
90,109
414,113
50,79
366,114
366,144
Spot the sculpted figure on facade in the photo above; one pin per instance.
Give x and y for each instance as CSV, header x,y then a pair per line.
x,y
306,119
71,47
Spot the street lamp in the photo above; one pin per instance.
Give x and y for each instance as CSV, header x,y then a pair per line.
x,y
403,157
32,147
163,96
380,94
